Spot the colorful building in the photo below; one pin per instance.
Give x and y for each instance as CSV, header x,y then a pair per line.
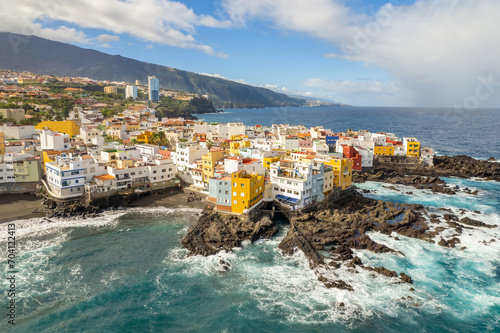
x,y
234,146
246,190
353,154
27,170
412,147
66,126
2,144
328,184
342,171
208,164
267,161
220,193
384,150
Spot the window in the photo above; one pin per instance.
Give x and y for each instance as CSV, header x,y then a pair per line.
x,y
235,194
242,194
235,202
242,185
234,184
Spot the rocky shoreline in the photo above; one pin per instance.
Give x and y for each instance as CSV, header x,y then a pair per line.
x,y
328,232
392,170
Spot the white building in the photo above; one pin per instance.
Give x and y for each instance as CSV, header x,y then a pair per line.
x,y
185,156
91,167
366,156
92,136
65,177
6,171
226,131
18,132
291,143
146,149
297,184
131,91
50,140
187,153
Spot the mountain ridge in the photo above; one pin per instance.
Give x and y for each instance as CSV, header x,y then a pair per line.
x,y
43,56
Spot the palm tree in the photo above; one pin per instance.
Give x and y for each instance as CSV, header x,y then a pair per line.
x,y
210,144
224,145
159,138
133,142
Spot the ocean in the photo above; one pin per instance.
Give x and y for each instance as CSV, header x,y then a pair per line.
x,y
126,270
448,131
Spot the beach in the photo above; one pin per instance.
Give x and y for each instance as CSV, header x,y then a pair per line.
x,y
22,206
19,207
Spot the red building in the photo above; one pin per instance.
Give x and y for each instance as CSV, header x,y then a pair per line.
x,y
351,153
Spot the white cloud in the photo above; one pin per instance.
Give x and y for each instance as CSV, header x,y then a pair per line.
x,y
149,47
438,49
108,38
360,92
159,21
106,45
225,78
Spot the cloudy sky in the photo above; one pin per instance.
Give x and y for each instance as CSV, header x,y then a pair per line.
x,y
437,53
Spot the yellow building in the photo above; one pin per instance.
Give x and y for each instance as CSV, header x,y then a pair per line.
x,y
50,156
328,184
66,126
28,81
384,150
2,144
342,171
144,137
246,190
208,164
273,159
133,127
111,90
413,148
238,137
234,146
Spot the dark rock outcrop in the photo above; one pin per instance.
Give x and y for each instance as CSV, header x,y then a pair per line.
x,y
475,223
216,232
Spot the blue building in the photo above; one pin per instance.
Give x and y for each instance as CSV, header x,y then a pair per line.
x,y
331,140
153,89
219,192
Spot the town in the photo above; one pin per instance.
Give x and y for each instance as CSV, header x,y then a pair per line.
x,y
92,147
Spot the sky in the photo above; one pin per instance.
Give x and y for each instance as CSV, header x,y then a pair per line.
x,y
431,53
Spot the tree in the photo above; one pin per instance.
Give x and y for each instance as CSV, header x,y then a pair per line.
x,y
224,145
159,138
7,120
210,144
133,142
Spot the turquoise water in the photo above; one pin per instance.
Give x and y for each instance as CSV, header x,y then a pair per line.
x,y
126,271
